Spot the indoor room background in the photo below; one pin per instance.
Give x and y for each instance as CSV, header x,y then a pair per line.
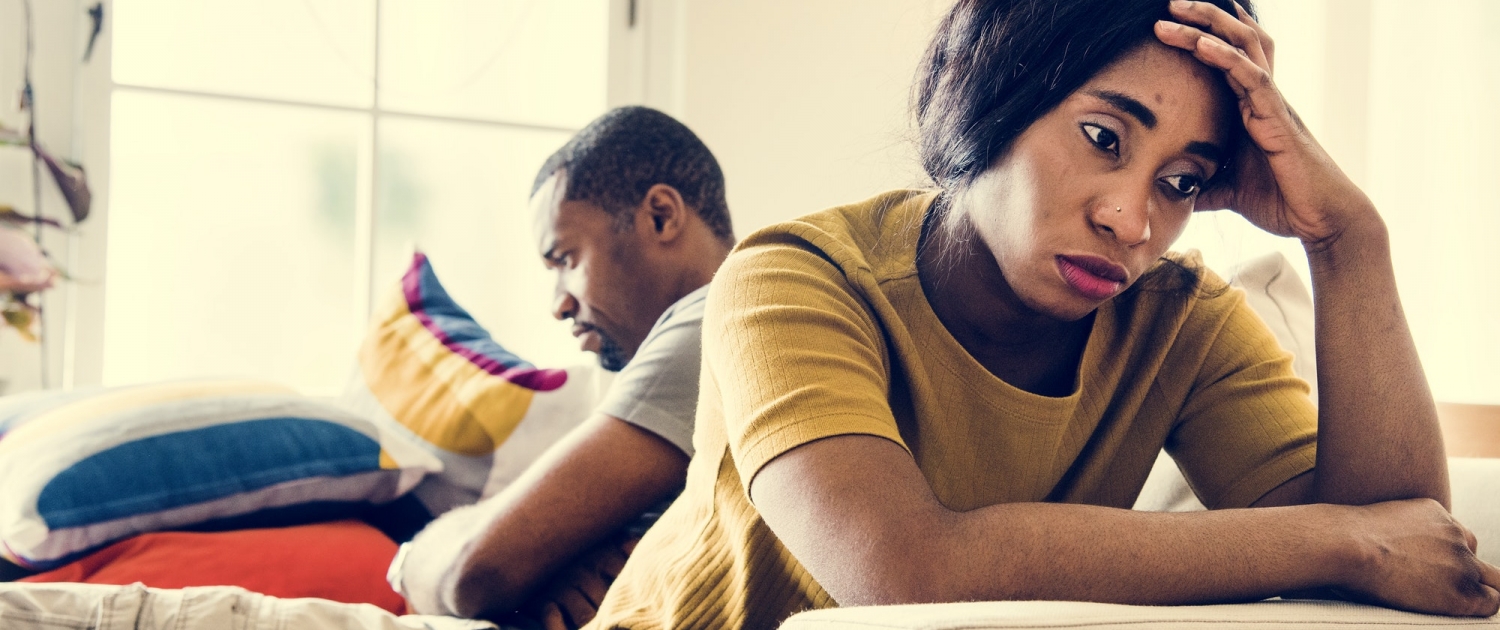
x,y
262,170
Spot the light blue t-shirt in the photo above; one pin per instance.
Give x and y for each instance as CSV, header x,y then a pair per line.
x,y
658,389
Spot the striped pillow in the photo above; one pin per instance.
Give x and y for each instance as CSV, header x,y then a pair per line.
x,y
81,469
427,366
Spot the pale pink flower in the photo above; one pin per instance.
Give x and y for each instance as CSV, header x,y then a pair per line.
x,y
23,267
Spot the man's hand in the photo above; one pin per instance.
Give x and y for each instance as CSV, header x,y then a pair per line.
x,y
572,598
586,487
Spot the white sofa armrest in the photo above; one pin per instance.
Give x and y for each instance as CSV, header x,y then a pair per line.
x,y
1274,614
1475,483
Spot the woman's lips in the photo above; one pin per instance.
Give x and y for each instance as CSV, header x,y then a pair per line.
x,y
1095,278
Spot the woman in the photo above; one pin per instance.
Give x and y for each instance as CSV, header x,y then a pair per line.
x,y
954,395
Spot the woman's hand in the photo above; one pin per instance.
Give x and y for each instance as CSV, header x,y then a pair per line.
x,y
1281,180
1419,558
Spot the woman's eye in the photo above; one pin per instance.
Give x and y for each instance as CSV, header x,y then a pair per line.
x,y
1184,185
1102,138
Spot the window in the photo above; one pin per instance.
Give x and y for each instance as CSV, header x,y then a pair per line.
x,y
275,162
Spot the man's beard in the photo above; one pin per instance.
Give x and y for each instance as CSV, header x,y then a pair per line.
x,y
611,355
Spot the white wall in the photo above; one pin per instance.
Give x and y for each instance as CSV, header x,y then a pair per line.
x,y
804,103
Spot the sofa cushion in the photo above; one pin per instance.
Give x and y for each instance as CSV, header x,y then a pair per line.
x,y
342,561
1278,614
427,368
81,469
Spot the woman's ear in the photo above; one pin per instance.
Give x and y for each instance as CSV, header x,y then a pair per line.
x,y
667,212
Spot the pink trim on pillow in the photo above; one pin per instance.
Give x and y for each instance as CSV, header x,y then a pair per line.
x,y
532,378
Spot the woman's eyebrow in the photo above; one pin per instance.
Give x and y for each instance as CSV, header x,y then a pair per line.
x,y
1209,150
1128,105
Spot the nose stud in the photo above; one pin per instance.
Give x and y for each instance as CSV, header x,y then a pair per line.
x,y
1117,208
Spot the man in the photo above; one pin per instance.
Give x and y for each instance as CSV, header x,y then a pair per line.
x,y
631,215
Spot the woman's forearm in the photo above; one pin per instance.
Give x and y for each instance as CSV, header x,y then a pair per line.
x,y
1378,433
870,531
858,514
1088,553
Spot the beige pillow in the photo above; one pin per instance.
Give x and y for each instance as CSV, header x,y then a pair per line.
x,y
1273,288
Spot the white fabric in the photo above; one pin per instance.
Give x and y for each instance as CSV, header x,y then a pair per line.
x,y
1276,614
135,607
1475,487
424,577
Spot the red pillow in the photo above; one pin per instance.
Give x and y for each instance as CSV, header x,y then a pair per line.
x,y
343,561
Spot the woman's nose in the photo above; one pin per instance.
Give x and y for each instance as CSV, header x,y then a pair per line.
x,y
1128,222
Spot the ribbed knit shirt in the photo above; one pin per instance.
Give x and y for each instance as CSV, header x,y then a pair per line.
x,y
819,327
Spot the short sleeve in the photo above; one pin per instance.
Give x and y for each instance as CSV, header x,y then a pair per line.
x,y
658,389
795,353
1249,424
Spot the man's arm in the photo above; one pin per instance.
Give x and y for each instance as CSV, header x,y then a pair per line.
x,y
858,514
588,486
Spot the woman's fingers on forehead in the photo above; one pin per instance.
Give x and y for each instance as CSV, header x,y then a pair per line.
x,y
1266,43
1232,29
1250,82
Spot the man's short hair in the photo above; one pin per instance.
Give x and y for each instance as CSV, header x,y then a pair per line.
x,y
617,158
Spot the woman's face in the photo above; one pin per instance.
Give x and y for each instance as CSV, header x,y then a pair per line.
x,y
1092,194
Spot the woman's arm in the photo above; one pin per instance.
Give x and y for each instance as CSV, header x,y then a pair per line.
x,y
858,514
1378,435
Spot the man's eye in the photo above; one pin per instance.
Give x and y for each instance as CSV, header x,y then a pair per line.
x,y
1102,138
1184,185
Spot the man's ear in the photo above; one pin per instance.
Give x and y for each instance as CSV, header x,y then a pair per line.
x,y
665,211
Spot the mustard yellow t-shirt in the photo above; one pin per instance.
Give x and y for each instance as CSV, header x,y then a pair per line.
x,y
819,327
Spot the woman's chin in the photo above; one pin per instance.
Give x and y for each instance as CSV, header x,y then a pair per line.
x,y
1064,306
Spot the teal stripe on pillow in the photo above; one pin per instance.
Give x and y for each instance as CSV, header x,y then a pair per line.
x,y
189,467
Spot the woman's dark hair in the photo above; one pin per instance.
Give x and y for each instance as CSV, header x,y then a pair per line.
x,y
996,66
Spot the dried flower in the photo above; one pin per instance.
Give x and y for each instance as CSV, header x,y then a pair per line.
x,y
23,267
20,315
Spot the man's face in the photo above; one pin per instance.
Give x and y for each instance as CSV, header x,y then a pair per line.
x,y
602,281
